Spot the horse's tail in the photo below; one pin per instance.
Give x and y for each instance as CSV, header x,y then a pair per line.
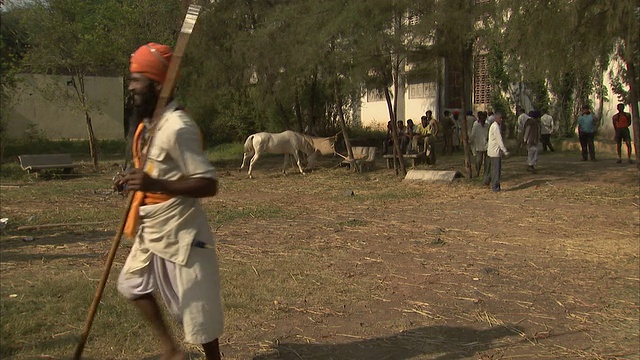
x,y
248,145
248,151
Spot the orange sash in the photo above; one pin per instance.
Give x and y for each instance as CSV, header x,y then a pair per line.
x,y
139,197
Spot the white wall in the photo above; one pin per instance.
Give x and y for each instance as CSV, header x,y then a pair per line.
x,y
375,114
49,104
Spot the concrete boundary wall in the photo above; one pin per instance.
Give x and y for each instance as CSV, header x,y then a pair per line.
x,y
48,105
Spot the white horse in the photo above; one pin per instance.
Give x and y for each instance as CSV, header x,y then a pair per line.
x,y
287,143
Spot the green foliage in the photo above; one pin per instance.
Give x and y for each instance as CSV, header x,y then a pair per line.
x,y
268,66
12,48
500,104
224,152
497,68
563,92
12,172
539,94
227,119
363,136
571,48
80,38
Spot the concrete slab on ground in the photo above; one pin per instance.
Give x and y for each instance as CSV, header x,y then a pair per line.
x,y
432,175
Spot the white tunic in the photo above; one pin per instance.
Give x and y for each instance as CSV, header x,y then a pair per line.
x,y
495,146
174,249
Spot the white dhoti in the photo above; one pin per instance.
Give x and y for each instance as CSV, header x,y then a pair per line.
x,y
190,292
532,155
189,285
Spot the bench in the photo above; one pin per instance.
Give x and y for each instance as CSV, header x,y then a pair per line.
x,y
35,163
415,159
363,157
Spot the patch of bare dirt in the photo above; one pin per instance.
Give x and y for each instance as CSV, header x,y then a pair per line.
x,y
548,268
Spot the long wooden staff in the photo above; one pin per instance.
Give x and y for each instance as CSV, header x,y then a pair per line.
x,y
165,93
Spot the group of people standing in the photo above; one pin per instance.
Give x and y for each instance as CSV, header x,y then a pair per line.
x,y
485,138
484,135
533,132
488,145
588,124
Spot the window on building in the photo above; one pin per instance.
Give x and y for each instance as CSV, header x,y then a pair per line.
x,y
374,95
481,84
422,90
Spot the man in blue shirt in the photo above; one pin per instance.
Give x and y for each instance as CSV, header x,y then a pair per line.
x,y
587,123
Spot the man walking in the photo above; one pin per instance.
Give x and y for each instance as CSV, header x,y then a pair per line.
x,y
478,141
532,139
490,118
495,150
522,118
173,252
621,122
586,133
547,124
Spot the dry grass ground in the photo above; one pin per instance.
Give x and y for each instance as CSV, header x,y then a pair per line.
x,y
548,268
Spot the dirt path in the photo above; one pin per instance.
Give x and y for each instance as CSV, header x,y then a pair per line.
x,y
546,269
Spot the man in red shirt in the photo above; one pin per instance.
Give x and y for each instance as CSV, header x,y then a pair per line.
x,y
621,122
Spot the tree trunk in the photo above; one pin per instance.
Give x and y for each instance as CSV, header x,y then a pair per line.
x,y
92,140
465,134
635,116
298,112
313,119
80,92
343,126
396,81
397,154
283,113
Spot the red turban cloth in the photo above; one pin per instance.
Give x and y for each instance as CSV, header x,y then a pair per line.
x,y
151,60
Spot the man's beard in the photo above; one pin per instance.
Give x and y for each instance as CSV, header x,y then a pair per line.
x,y
147,105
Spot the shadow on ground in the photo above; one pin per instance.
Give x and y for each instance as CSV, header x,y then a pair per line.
x,y
437,342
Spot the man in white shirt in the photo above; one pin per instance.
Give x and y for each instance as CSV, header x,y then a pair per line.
x,y
532,131
495,150
470,121
490,118
478,142
522,118
547,128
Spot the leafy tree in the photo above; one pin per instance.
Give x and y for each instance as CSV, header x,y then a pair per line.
x,y
592,32
12,48
451,27
80,38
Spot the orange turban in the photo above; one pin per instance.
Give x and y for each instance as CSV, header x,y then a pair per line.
x,y
152,60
